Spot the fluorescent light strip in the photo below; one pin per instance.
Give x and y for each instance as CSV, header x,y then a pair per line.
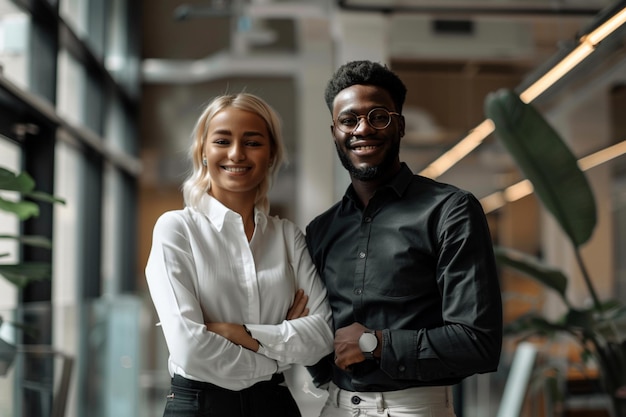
x,y
460,150
478,134
523,188
605,29
602,156
557,72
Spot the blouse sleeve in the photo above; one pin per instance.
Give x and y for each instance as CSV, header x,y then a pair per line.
x,y
304,340
171,277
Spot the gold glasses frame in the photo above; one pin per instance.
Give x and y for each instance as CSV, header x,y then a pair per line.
x,y
366,117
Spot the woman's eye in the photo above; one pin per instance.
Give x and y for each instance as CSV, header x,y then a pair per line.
x,y
220,142
253,144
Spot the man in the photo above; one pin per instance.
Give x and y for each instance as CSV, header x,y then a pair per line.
x,y
408,264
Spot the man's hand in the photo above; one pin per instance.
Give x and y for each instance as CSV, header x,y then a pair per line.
x,y
298,308
347,350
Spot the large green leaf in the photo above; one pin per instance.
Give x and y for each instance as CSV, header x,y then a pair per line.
x,y
23,209
44,197
22,183
534,268
31,240
24,273
546,161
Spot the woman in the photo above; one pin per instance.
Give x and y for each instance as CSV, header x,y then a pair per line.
x,y
237,295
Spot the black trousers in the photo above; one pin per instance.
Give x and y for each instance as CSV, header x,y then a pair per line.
x,y
188,398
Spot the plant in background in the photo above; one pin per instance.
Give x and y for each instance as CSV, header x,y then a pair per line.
x,y
21,273
562,188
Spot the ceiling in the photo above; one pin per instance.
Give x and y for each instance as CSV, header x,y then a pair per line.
x,y
484,7
451,53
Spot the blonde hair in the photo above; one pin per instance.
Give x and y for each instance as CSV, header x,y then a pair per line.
x,y
199,182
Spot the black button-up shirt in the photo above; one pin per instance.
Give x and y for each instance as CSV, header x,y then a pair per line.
x,y
417,263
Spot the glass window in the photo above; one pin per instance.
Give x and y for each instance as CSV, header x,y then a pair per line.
x,y
74,12
121,58
96,36
93,233
70,87
117,46
117,131
93,100
10,156
67,185
112,229
14,34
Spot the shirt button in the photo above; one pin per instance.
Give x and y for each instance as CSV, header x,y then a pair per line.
x,y
368,220
361,255
355,400
358,291
401,368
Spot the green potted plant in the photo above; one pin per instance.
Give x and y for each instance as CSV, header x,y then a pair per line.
x,y
21,273
562,188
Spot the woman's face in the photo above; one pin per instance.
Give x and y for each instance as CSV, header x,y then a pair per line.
x,y
238,153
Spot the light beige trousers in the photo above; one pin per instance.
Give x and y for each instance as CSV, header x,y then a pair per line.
x,y
413,402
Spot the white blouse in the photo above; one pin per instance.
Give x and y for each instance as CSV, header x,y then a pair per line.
x,y
202,268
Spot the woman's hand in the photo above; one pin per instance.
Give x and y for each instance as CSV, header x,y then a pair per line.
x,y
298,308
236,333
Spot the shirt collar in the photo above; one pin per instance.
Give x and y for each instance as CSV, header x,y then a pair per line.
x,y
398,184
218,214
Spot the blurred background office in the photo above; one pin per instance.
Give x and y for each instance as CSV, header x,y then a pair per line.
x,y
97,103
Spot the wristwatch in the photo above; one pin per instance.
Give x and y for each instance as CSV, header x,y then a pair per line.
x,y
368,342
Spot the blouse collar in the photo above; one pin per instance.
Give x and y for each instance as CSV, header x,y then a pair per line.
x,y
218,214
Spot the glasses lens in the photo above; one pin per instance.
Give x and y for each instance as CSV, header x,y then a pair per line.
x,y
378,118
347,122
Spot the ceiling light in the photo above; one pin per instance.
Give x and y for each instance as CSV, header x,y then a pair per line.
x,y
523,188
474,138
587,44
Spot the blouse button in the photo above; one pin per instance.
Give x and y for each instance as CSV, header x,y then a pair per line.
x,y
368,220
361,255
358,291
401,368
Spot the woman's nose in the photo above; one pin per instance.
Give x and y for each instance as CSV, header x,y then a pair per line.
x,y
236,153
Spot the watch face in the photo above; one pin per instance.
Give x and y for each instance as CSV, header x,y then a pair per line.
x,y
368,342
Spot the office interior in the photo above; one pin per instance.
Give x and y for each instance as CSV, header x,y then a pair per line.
x,y
98,99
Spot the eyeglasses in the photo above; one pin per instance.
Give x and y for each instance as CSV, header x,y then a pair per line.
x,y
377,118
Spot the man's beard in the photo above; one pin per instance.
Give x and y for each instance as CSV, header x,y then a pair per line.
x,y
370,173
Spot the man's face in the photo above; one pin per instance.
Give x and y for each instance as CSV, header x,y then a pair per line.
x,y
366,152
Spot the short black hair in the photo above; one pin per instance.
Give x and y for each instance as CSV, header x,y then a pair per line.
x,y
366,73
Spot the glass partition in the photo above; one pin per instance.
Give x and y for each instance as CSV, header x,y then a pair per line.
x,y
41,381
